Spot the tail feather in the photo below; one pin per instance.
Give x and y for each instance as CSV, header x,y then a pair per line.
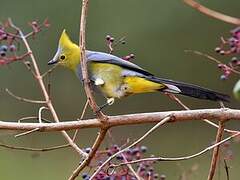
x,y
190,90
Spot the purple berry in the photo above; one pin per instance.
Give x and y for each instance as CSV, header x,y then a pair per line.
x,y
119,157
223,77
108,37
88,150
2,53
111,39
132,56
4,36
3,48
84,175
217,49
143,149
12,48
162,177
222,52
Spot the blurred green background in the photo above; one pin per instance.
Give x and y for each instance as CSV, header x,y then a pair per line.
x,y
157,33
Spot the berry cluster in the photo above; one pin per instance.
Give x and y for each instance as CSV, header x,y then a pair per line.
x,y
111,43
129,57
10,38
231,46
144,169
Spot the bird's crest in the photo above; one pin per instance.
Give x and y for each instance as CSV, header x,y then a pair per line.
x,y
65,41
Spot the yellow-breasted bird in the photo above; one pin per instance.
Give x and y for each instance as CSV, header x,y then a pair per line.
x,y
117,78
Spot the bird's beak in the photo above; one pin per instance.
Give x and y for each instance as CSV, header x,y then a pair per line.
x,y
55,59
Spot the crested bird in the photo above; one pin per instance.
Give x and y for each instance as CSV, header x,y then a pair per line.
x,y
117,78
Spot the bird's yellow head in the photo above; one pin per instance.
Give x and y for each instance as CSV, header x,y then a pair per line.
x,y
68,53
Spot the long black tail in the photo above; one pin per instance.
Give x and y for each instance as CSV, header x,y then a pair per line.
x,y
190,90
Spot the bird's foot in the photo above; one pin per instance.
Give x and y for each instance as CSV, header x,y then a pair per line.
x,y
109,102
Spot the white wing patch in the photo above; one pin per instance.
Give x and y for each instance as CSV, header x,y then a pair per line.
x,y
172,88
99,82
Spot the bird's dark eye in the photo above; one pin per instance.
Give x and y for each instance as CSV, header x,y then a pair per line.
x,y
62,57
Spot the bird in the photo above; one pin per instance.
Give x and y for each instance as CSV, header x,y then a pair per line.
x,y
117,78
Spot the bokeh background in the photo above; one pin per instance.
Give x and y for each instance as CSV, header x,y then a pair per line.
x,y
157,32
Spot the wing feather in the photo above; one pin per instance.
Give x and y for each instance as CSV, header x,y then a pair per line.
x,y
111,59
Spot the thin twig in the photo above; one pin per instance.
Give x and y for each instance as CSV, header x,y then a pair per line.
x,y
212,59
43,88
82,115
215,155
32,117
91,155
226,168
49,70
163,121
26,133
34,149
212,13
130,167
24,99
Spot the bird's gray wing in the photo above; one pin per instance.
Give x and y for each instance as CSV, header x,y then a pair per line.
x,y
111,59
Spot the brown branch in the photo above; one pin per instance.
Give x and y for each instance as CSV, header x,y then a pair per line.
x,y
163,121
129,119
24,99
215,155
81,117
34,149
83,61
43,88
212,13
91,155
90,98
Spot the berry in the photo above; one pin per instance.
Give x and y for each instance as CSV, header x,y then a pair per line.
x,y
109,153
221,66
127,57
132,56
12,48
4,36
88,150
135,151
84,175
223,77
222,52
107,178
108,37
217,49
155,176
111,39
2,53
234,60
115,147
227,73
34,23
119,157
162,177
143,149
3,48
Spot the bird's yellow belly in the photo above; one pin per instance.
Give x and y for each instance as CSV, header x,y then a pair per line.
x,y
111,75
